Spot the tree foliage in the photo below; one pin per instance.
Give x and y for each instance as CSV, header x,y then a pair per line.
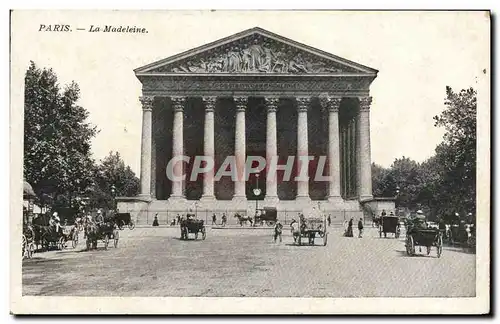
x,y
446,182
112,171
57,137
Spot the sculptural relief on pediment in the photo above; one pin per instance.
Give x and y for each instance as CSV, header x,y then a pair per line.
x,y
255,54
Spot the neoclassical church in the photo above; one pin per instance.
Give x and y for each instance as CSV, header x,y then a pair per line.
x,y
254,93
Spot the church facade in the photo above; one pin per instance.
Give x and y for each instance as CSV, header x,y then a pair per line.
x,y
254,96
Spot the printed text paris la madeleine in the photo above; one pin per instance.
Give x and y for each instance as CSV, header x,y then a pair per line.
x,y
94,29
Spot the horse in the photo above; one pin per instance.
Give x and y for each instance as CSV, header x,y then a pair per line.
x,y
243,219
92,234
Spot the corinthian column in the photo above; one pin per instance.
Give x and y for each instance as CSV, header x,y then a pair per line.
x,y
302,149
240,148
332,106
209,148
147,107
178,147
364,157
271,149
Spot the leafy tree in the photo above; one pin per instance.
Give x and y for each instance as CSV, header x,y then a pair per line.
x,y
457,153
112,171
57,137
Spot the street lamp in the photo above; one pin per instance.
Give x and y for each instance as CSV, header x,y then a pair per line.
x,y
257,193
113,193
397,200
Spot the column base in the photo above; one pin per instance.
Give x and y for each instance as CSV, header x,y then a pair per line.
x,y
177,199
207,198
365,198
146,197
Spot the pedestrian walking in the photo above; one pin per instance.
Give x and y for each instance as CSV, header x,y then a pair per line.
x,y
214,219
224,219
329,219
349,232
360,228
155,221
278,229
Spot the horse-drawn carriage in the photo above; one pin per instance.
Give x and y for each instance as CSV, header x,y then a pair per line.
x,y
266,215
191,225
427,237
310,228
389,224
71,233
123,219
104,231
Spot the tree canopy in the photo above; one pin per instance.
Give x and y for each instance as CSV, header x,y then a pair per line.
x,y
446,182
57,146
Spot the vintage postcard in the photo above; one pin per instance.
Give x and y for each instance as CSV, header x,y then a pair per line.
x,y
250,162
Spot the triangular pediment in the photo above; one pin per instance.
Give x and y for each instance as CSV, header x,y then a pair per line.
x,y
255,51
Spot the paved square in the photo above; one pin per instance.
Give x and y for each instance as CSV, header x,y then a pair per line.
x,y
245,262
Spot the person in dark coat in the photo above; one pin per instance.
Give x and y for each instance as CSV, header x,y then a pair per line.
x,y
360,228
349,232
214,219
329,219
155,221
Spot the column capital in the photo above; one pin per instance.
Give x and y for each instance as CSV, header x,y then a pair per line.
x,y
332,104
147,102
364,103
271,103
178,103
303,103
241,103
210,102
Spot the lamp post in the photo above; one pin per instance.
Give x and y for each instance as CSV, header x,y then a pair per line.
x,y
257,193
397,200
113,194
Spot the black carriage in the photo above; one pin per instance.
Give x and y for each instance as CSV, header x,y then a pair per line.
x,y
310,228
124,219
427,237
194,226
389,224
51,238
267,215
104,231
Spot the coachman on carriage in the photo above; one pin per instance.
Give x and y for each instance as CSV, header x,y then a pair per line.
x,y
104,228
191,225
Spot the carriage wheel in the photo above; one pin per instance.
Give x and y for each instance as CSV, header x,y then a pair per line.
x,y
106,241
74,241
410,246
325,239
439,246
131,225
23,246
120,226
60,243
116,237
203,233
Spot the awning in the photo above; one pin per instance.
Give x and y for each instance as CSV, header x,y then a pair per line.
x,y
28,190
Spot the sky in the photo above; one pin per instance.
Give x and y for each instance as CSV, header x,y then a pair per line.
x,y
417,54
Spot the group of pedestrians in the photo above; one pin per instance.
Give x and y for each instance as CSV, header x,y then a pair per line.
x,y
349,231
